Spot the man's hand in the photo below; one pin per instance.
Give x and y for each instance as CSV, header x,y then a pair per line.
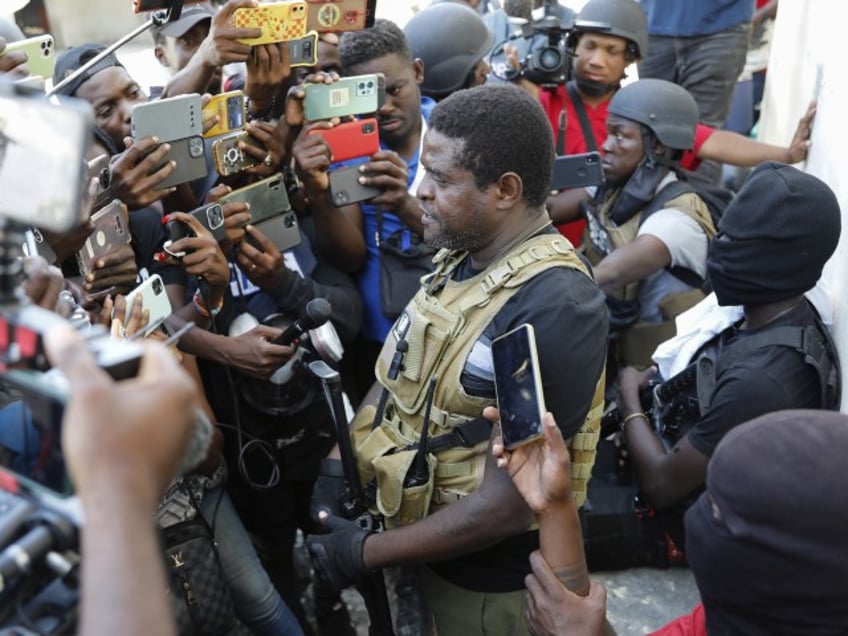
x,y
313,158
236,215
337,555
329,489
629,384
553,610
253,354
221,46
268,72
43,282
117,269
131,434
134,178
266,267
800,145
203,257
540,470
388,171
11,62
273,139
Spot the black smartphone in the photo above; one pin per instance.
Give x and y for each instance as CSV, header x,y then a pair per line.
x,y
211,217
282,230
518,386
577,171
346,189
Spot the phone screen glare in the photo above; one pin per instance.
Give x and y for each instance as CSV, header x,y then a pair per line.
x,y
515,378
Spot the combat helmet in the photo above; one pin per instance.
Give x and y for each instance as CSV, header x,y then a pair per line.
x,y
623,18
450,39
665,108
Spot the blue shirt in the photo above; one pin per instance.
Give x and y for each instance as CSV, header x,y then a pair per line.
x,y
375,324
698,17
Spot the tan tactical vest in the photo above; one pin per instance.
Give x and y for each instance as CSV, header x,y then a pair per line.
x,y
636,345
441,325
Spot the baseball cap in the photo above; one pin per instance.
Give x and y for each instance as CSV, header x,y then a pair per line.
x,y
72,59
188,18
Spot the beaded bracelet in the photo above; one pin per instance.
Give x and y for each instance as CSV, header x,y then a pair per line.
x,y
200,305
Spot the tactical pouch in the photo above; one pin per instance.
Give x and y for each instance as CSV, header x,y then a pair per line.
x,y
401,505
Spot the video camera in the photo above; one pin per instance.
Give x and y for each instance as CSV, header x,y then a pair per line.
x,y
542,44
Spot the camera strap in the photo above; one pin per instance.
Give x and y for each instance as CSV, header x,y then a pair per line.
x,y
585,126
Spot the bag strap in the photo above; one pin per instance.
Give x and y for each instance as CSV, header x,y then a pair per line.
x,y
466,435
817,350
585,126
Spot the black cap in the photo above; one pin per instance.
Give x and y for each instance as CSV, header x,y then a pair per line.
x,y
72,59
188,18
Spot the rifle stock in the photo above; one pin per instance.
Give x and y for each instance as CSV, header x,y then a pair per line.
x,y
372,587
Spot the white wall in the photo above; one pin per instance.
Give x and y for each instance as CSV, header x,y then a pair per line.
x,y
809,43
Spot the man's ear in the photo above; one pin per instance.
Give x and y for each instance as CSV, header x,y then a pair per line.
x,y
659,149
418,69
509,190
159,52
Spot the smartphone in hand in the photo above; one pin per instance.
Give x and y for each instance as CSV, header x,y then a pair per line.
x,y
154,299
518,386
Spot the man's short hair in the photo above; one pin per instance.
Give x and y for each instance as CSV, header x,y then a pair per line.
x,y
384,38
504,130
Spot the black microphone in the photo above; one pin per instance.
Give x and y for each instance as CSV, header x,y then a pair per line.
x,y
314,314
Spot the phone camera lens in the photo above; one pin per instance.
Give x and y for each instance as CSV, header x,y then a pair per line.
x,y
157,286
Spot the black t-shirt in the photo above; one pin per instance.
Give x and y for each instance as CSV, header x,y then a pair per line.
x,y
569,315
768,379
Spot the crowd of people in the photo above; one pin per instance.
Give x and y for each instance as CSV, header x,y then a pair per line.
x,y
690,379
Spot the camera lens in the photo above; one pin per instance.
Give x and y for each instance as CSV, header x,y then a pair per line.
x,y
550,59
157,286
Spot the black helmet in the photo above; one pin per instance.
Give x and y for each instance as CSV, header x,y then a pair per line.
x,y
624,18
667,109
450,39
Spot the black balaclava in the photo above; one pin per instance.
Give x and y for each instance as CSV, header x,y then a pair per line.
x,y
774,238
768,540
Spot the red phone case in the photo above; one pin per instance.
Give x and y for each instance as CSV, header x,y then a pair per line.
x,y
360,138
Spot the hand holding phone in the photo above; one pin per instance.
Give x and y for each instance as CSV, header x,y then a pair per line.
x,y
154,299
577,171
356,95
40,52
518,386
279,21
352,139
111,230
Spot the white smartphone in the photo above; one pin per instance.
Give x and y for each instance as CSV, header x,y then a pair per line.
x,y
154,299
518,386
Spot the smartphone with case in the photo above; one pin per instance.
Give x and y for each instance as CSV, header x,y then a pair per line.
x,y
231,111
359,138
229,158
42,158
168,119
190,157
210,216
282,230
41,54
577,171
279,21
154,298
518,386
304,52
355,95
346,189
340,15
111,231
267,198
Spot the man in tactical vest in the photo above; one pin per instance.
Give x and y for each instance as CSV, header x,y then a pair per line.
x,y
650,262
502,265
765,349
